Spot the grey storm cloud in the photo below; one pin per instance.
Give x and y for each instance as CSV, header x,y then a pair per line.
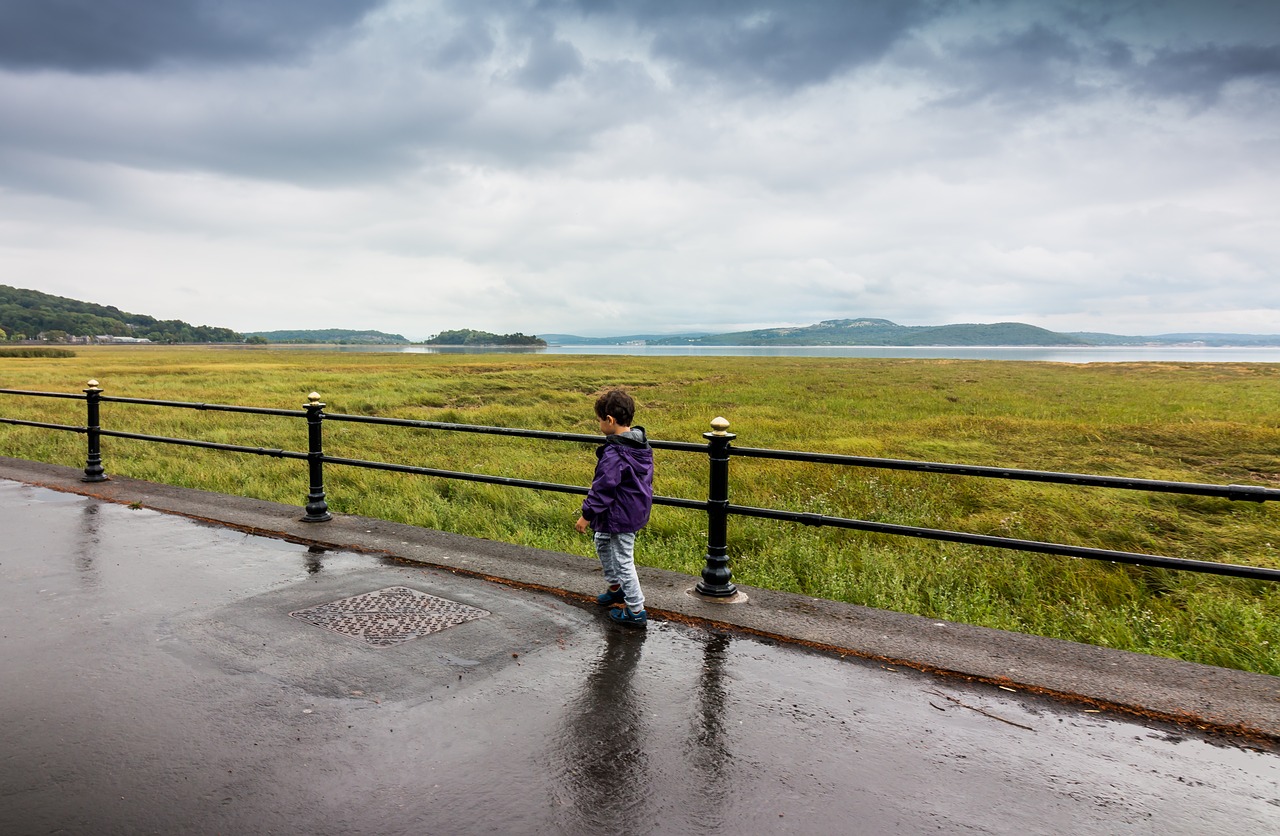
x,y
786,45
93,35
1026,66
1204,71
550,60
469,44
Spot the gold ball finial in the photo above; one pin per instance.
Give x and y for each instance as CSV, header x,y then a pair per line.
x,y
720,425
93,384
314,397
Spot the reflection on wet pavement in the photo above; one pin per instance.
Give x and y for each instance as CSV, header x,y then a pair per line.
x,y
603,766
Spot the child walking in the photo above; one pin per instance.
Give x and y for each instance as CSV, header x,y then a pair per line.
x,y
618,504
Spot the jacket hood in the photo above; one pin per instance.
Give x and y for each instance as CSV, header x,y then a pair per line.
x,y
634,437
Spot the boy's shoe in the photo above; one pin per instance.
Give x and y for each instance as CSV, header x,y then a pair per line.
x,y
610,597
631,619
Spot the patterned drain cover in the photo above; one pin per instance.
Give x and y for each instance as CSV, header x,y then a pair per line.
x,y
389,616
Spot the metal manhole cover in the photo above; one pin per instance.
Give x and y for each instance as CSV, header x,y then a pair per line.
x,y
387,617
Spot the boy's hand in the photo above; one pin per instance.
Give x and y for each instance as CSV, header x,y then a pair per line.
x,y
581,525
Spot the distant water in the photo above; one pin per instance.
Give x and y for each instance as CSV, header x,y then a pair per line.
x,y
1046,354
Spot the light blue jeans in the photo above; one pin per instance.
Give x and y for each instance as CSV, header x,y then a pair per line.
x,y
618,559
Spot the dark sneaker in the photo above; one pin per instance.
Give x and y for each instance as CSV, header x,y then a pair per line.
x,y
610,597
631,619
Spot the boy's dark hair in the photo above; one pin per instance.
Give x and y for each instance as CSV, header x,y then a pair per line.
x,y
617,403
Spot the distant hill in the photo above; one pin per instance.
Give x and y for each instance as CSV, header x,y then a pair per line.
x,y
338,336
867,331
1215,340
25,314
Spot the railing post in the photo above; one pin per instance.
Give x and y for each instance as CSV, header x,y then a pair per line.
x,y
317,508
717,579
93,469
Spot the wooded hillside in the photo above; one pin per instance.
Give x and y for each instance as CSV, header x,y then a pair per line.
x,y
26,314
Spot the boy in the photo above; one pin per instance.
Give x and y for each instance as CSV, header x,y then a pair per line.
x,y
618,504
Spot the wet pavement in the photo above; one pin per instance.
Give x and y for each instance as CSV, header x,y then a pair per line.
x,y
155,681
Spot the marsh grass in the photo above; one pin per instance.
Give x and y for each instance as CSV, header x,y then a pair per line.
x,y
36,352
1215,423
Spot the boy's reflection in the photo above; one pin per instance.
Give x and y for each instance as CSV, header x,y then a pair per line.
x,y
708,748
601,750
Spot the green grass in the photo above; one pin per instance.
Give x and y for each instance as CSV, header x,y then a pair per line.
x,y
1215,423
36,352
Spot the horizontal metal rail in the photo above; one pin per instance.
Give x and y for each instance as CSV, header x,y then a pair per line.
x,y
1137,558
42,394
487,479
207,407
675,502
20,423
1252,493
506,431
453,474
207,445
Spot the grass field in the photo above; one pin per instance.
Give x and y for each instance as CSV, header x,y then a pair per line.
x,y
1216,423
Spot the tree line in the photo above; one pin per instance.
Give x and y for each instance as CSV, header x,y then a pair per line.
x,y
28,314
466,336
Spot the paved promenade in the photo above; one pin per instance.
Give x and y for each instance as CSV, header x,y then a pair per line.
x,y
177,661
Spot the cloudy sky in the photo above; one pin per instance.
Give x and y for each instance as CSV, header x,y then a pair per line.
x,y
636,166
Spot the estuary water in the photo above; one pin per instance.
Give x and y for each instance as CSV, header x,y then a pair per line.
x,y
1045,354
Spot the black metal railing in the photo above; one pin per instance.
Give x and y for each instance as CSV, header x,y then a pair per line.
x,y
716,581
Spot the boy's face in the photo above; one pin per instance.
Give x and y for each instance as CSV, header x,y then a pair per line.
x,y
609,426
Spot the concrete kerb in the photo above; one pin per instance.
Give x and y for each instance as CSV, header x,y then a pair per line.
x,y
1218,700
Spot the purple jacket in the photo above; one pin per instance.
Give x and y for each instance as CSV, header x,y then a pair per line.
x,y
621,493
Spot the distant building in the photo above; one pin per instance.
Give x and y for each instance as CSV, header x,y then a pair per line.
x,y
108,338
